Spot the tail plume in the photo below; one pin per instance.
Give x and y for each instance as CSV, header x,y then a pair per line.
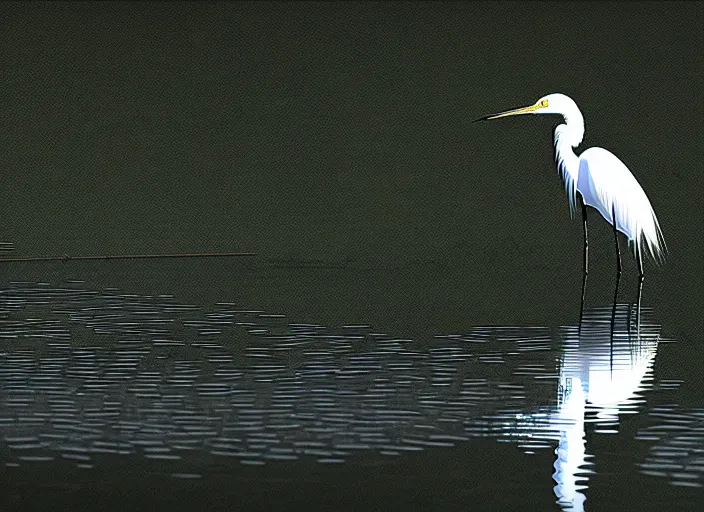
x,y
650,235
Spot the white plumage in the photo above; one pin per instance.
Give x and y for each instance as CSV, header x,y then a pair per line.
x,y
599,178
607,185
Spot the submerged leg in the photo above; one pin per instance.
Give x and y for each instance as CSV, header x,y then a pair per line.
x,y
640,292
586,238
618,276
618,252
581,308
586,258
613,327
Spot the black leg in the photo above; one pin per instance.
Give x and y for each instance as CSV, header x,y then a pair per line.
x,y
586,238
618,252
586,258
613,326
618,279
613,308
640,293
639,257
581,308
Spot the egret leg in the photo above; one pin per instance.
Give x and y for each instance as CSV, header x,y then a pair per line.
x,y
613,308
618,279
640,292
586,259
618,252
613,327
581,308
586,238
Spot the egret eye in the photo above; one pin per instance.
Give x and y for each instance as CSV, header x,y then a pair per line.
x,y
544,103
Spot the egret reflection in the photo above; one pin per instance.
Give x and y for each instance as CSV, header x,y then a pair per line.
x,y
86,375
605,366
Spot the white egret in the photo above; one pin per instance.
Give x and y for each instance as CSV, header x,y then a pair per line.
x,y
597,178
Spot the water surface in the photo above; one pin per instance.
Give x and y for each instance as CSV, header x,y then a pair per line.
x,y
97,379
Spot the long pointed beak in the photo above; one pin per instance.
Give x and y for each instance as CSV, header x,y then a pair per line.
x,y
512,112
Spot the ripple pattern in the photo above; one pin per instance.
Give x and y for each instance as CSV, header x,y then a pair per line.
x,y
87,374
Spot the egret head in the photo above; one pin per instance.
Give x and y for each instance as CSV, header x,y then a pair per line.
x,y
551,104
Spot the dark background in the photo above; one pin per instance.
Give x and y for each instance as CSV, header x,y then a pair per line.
x,y
334,141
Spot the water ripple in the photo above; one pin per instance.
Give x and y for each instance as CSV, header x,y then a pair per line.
x,y
86,374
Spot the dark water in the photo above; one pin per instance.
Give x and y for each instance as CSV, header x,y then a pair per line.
x,y
98,380
408,334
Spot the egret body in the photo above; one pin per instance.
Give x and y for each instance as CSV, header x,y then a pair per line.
x,y
597,178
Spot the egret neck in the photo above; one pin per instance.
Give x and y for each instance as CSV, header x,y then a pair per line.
x,y
568,136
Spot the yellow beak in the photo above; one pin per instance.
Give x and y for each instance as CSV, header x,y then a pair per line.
x,y
513,112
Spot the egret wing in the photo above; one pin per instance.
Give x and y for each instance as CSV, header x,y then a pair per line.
x,y
607,185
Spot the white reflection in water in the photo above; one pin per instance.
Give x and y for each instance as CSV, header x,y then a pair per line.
x,y
603,369
86,375
604,366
